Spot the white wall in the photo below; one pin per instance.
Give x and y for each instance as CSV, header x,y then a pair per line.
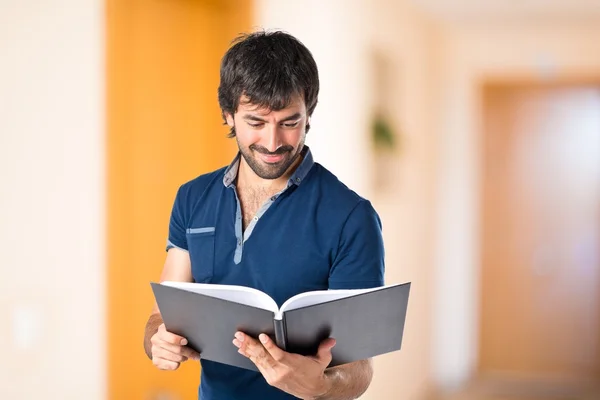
x,y
408,40
52,199
470,55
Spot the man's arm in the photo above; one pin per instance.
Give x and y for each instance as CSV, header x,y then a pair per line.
x,y
166,349
359,263
306,377
152,325
348,381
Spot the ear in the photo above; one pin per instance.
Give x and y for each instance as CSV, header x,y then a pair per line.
x,y
229,119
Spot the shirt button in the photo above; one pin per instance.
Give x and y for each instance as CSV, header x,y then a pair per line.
x,y
298,180
255,218
239,242
273,198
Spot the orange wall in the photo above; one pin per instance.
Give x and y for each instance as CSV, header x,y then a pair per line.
x,y
164,128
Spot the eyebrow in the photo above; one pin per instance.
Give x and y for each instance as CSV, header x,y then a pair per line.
x,y
250,117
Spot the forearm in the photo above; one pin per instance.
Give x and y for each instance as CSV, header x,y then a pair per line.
x,y
348,382
152,325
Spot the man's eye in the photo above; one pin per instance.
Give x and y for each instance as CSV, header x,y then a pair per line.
x,y
258,125
291,125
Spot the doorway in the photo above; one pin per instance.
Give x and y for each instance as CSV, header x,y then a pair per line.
x,y
540,232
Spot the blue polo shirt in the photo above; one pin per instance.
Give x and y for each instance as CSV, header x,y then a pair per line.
x,y
316,234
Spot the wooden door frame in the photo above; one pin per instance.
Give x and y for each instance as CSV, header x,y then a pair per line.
x,y
151,101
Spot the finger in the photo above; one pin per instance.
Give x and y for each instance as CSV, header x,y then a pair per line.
x,y
190,353
324,353
177,349
165,364
255,351
170,337
275,352
173,348
164,354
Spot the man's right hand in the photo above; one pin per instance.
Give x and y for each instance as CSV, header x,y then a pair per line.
x,y
169,350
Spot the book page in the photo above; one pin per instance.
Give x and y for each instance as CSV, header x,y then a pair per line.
x,y
237,294
320,296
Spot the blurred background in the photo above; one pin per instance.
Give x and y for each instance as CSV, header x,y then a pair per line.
x,y
473,126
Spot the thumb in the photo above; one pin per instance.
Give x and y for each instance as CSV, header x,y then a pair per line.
x,y
324,352
190,353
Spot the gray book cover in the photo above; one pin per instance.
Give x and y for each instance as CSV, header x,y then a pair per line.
x,y
364,323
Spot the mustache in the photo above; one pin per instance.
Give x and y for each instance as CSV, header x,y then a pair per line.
x,y
263,150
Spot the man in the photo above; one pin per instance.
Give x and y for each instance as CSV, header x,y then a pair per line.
x,y
273,220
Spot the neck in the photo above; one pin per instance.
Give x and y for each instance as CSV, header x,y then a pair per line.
x,y
246,177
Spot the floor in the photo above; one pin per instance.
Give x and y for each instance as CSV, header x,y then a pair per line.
x,y
520,389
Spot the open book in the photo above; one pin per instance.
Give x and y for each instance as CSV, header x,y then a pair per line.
x,y
364,322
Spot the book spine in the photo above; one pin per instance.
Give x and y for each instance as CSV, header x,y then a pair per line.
x,y
280,334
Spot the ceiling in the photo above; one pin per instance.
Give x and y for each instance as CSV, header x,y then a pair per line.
x,y
486,11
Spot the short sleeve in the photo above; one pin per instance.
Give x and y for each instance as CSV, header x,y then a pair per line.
x,y
177,224
359,260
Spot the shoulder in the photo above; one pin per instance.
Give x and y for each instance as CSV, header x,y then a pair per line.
x,y
339,195
201,185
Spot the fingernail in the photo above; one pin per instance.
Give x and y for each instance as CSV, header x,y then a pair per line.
x,y
263,338
236,343
184,342
239,336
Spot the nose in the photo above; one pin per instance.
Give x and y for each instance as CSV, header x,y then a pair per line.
x,y
272,138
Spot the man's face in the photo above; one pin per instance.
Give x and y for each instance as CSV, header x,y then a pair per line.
x,y
270,141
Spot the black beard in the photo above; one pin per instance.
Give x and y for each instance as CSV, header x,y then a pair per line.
x,y
269,171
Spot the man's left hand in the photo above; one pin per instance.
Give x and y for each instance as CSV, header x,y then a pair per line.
x,y
301,376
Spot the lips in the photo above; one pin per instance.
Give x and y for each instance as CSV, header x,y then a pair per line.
x,y
271,159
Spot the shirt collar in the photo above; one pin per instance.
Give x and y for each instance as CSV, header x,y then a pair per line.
x,y
296,178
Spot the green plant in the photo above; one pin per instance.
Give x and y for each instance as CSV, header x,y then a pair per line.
x,y
383,134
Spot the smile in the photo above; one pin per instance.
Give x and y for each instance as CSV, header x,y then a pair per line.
x,y
271,158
